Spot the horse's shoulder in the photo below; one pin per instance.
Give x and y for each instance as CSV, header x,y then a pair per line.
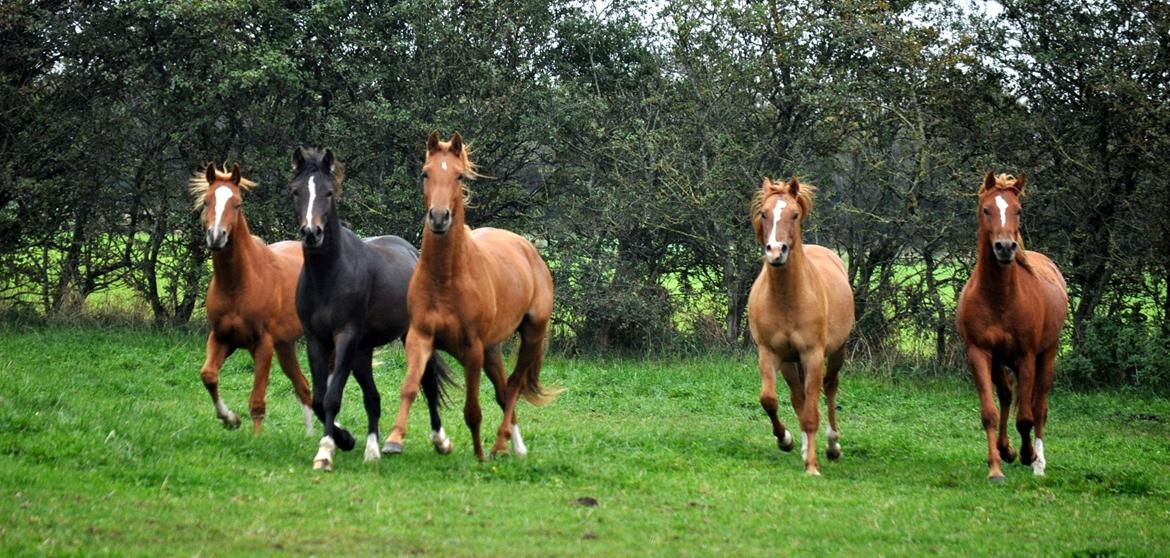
x,y
1042,267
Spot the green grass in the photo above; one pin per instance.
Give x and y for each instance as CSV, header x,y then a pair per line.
x,y
109,446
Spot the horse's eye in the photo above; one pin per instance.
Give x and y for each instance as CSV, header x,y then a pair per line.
x,y
763,214
795,215
329,194
986,211
424,176
296,193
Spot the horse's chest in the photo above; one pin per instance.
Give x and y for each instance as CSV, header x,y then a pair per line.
x,y
234,328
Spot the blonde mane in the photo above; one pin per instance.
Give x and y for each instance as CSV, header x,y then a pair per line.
x,y
804,197
198,185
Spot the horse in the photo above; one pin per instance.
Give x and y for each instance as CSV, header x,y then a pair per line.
x,y
800,311
471,291
1010,315
250,302
351,298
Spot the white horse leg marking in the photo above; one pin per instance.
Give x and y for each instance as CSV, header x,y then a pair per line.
x,y
804,446
308,413
441,442
225,414
312,197
324,458
1039,464
1002,205
222,195
787,439
372,451
518,442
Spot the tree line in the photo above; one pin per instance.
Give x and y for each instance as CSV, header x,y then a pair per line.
x,y
627,137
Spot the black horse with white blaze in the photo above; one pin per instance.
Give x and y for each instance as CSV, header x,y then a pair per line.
x,y
351,298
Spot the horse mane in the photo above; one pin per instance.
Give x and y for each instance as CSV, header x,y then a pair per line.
x,y
1005,182
198,185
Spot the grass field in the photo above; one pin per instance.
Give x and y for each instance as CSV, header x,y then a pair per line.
x,y
110,446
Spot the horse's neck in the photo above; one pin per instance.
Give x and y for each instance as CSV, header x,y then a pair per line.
x,y
232,265
790,283
1000,283
443,257
322,259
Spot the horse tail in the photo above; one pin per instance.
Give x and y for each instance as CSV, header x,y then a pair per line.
x,y
435,379
528,366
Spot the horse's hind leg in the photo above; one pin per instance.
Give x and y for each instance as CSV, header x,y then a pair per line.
x,y
493,365
832,377
262,366
286,353
768,400
1045,370
217,353
1002,379
794,378
529,358
1025,385
363,372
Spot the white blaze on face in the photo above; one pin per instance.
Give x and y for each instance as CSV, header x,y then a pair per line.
x,y
222,195
312,198
777,211
1002,205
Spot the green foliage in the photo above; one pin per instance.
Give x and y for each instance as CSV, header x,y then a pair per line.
x,y
1119,353
109,445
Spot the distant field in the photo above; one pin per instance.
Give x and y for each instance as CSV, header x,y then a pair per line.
x,y
110,447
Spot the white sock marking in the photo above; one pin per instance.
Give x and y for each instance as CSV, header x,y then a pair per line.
x,y
224,412
1039,464
308,413
222,195
787,439
312,198
372,451
1002,205
324,457
804,446
518,442
440,440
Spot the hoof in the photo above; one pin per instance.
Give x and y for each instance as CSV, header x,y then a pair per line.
x,y
997,479
833,452
812,471
1027,456
344,439
372,453
444,447
231,421
391,448
323,465
786,444
1007,454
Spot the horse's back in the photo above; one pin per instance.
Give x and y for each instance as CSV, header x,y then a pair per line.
x,y
392,245
521,277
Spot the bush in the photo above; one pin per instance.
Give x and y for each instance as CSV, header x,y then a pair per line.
x,y
1116,353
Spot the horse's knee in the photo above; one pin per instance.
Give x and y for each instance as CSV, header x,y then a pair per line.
x,y
410,393
472,415
257,411
210,377
769,403
990,419
809,422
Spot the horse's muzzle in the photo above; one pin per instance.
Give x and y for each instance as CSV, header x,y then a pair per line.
x,y
216,240
776,253
313,236
1005,250
439,221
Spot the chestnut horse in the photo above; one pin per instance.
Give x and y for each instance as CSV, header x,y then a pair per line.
x,y
251,302
1010,316
471,291
800,311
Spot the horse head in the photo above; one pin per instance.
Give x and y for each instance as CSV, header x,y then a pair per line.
x,y
444,171
1000,211
778,210
218,194
317,178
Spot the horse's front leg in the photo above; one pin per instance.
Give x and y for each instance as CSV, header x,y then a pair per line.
x,y
768,363
419,348
812,362
217,353
980,362
1025,385
261,367
472,362
1002,379
1045,370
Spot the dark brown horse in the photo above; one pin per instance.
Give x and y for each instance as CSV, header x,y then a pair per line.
x,y
800,311
251,302
471,291
1010,316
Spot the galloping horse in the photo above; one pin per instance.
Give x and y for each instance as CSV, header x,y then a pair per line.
x,y
471,291
1010,316
351,298
250,302
800,311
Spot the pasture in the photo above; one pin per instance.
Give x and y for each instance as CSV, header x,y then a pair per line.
x,y
110,446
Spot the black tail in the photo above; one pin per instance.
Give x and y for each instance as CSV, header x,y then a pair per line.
x,y
435,380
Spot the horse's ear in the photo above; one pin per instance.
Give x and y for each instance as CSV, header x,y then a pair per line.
x,y
988,182
457,144
327,160
767,184
793,186
433,142
236,174
298,159
1020,180
210,173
